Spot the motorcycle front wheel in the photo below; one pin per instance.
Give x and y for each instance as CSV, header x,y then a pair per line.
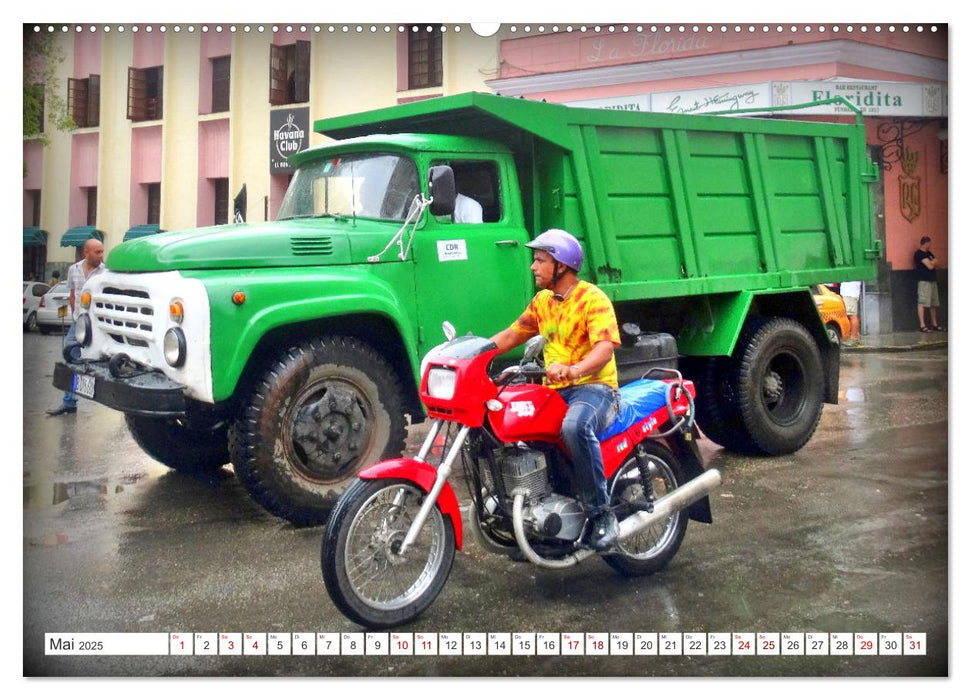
x,y
650,550
367,577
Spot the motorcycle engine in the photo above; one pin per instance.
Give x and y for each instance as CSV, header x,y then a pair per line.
x,y
544,512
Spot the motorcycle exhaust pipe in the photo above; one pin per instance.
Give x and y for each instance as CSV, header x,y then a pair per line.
x,y
671,503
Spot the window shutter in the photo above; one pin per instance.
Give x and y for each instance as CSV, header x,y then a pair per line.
x,y
94,100
220,84
158,95
278,75
302,77
77,100
137,95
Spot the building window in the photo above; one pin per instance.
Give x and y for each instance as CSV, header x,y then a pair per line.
x,y
290,73
144,93
154,203
32,198
221,209
84,100
424,56
220,84
92,196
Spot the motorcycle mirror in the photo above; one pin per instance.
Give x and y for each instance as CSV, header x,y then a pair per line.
x,y
534,346
449,330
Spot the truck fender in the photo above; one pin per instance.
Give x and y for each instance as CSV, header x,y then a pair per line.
x,y
422,475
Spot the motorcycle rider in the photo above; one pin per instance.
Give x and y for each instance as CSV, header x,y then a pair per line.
x,y
578,323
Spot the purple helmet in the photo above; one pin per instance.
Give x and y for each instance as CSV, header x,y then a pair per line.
x,y
561,245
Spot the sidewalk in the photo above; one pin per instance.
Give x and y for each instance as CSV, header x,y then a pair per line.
x,y
899,342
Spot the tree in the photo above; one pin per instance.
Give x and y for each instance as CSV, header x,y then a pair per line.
x,y
42,93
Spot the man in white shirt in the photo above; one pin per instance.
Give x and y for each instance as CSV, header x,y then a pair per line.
x,y
467,210
80,272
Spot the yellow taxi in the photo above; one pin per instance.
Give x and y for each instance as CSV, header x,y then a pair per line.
x,y
833,312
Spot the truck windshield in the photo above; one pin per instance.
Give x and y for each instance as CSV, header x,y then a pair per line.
x,y
376,186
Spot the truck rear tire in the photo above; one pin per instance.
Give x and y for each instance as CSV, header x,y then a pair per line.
x,y
320,413
717,405
777,373
177,446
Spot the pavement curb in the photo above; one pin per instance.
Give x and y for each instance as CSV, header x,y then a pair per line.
x,y
933,345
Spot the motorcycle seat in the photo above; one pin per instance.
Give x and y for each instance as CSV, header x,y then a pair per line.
x,y
638,400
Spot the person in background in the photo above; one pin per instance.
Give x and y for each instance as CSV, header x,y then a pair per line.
x,y
851,293
467,210
92,263
927,292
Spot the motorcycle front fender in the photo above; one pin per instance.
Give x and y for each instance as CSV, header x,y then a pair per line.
x,y
422,475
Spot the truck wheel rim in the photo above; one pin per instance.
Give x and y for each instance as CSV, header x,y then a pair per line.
x,y
330,430
784,388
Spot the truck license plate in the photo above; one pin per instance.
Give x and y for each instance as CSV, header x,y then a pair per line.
x,y
84,385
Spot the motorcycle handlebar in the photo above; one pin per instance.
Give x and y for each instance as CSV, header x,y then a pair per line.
x,y
530,369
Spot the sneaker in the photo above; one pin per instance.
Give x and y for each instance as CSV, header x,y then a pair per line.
x,y
604,531
62,409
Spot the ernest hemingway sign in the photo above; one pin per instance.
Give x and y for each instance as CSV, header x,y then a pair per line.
x,y
289,134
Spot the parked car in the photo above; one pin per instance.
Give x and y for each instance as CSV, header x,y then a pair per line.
x,y
833,311
33,291
53,312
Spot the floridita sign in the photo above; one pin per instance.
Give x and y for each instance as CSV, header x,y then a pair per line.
x,y
885,99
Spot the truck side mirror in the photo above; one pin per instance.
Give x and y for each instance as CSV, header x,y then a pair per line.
x,y
441,188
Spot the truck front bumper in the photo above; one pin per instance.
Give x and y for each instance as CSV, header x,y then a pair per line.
x,y
147,393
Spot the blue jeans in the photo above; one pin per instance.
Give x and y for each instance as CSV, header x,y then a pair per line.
x,y
591,408
71,400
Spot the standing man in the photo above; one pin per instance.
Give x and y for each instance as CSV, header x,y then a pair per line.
x,y
92,263
927,295
580,327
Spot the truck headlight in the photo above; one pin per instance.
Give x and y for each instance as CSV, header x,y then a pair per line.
x,y
82,330
173,347
441,383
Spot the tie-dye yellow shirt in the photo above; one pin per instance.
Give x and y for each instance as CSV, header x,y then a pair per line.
x,y
571,328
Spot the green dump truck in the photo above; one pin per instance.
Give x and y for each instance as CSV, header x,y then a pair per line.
x,y
291,348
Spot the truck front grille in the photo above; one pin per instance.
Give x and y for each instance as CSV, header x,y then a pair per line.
x,y
126,315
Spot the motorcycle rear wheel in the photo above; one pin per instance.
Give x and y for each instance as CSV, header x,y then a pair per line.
x,y
368,579
649,551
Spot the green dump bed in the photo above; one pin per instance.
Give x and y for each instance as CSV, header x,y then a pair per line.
x,y
672,205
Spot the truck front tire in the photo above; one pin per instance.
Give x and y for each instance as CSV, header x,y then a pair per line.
x,y
176,445
321,412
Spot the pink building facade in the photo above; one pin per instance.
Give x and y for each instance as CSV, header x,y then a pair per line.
x,y
896,75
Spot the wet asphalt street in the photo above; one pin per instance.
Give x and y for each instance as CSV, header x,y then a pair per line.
x,y
848,535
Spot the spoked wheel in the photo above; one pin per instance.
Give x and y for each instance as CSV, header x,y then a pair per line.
x,y
649,550
366,575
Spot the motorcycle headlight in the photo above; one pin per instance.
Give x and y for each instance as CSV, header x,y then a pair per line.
x,y
82,330
173,347
441,383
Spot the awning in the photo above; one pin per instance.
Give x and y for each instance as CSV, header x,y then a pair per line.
x,y
34,236
79,234
141,230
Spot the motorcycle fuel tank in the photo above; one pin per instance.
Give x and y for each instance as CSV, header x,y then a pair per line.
x,y
529,412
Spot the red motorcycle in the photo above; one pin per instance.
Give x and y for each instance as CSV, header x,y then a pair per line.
x,y
390,542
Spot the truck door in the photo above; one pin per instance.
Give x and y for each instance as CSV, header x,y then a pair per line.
x,y
472,268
